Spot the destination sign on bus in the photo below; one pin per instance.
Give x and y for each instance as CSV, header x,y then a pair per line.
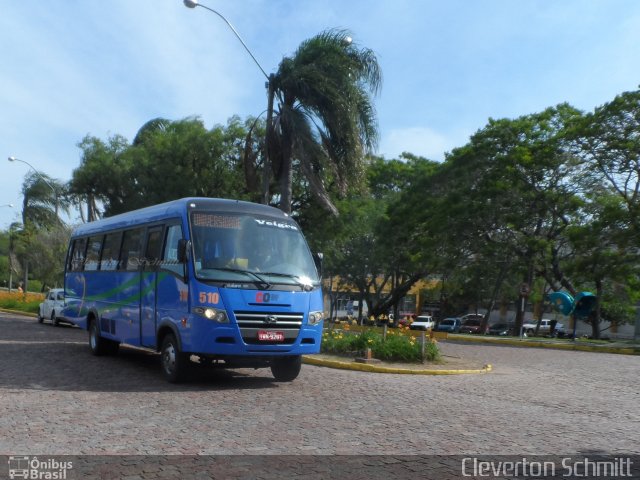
x,y
215,221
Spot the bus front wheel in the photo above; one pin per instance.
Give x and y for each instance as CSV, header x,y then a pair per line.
x,y
286,369
174,362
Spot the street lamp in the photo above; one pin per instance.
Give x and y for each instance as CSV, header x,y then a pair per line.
x,y
270,93
194,4
55,192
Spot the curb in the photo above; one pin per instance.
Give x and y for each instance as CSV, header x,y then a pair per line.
x,y
364,367
541,344
19,312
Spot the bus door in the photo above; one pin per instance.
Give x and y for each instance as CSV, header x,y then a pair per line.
x,y
149,269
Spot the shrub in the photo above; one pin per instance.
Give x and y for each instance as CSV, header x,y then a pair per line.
x,y
19,301
398,347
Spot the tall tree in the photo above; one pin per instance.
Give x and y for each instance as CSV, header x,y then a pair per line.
x,y
501,199
609,142
325,120
600,256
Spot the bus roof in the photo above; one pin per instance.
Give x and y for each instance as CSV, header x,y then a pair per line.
x,y
174,209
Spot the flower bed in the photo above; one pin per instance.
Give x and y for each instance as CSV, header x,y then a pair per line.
x,y
398,346
24,302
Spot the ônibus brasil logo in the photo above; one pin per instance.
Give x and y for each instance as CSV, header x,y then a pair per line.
x,y
34,468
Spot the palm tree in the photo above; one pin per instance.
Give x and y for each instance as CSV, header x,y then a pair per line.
x,y
44,197
325,121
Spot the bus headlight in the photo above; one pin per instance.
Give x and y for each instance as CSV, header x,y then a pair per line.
x,y
214,314
315,317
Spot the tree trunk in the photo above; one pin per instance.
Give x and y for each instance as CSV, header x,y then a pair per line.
x,y
286,180
266,179
522,301
494,296
398,292
25,274
595,315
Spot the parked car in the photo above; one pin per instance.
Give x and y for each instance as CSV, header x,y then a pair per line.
x,y
451,325
422,322
52,306
406,319
501,329
545,327
472,325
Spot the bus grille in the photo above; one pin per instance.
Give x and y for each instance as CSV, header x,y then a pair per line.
x,y
251,323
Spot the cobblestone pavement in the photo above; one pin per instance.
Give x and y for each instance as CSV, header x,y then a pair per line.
x,y
56,399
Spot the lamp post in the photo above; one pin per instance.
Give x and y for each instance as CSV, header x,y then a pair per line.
x,y
270,94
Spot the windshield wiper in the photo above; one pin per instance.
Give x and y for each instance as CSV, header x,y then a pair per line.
x,y
304,286
258,280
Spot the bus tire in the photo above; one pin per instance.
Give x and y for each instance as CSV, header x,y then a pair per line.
x,y
286,369
172,360
97,344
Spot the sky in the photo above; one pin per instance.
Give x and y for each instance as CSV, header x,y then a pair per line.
x,y
71,68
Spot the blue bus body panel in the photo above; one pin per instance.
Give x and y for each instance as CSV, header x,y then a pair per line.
x,y
208,337
114,298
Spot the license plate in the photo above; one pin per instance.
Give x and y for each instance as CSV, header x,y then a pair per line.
x,y
269,336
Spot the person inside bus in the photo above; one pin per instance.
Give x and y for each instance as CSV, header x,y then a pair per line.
x,y
218,253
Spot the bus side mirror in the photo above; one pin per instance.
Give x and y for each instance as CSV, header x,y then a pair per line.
x,y
317,259
183,250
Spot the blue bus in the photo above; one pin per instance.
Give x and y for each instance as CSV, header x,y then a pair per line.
x,y
221,282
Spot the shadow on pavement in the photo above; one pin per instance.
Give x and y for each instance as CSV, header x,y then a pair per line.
x,y
42,357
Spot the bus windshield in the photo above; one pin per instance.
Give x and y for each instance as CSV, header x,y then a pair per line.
x,y
247,248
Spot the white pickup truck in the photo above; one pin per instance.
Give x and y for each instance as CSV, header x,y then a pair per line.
x,y
545,327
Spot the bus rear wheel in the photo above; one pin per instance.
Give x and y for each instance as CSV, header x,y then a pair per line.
x,y
173,361
99,345
286,369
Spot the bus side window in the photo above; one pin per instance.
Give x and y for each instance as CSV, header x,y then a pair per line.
x,y
170,254
93,253
131,252
154,247
110,251
76,263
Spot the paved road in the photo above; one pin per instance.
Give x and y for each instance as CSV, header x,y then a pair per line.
x,y
55,398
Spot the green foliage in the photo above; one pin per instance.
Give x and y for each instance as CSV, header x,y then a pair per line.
x,y
167,160
43,199
20,303
4,243
397,347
